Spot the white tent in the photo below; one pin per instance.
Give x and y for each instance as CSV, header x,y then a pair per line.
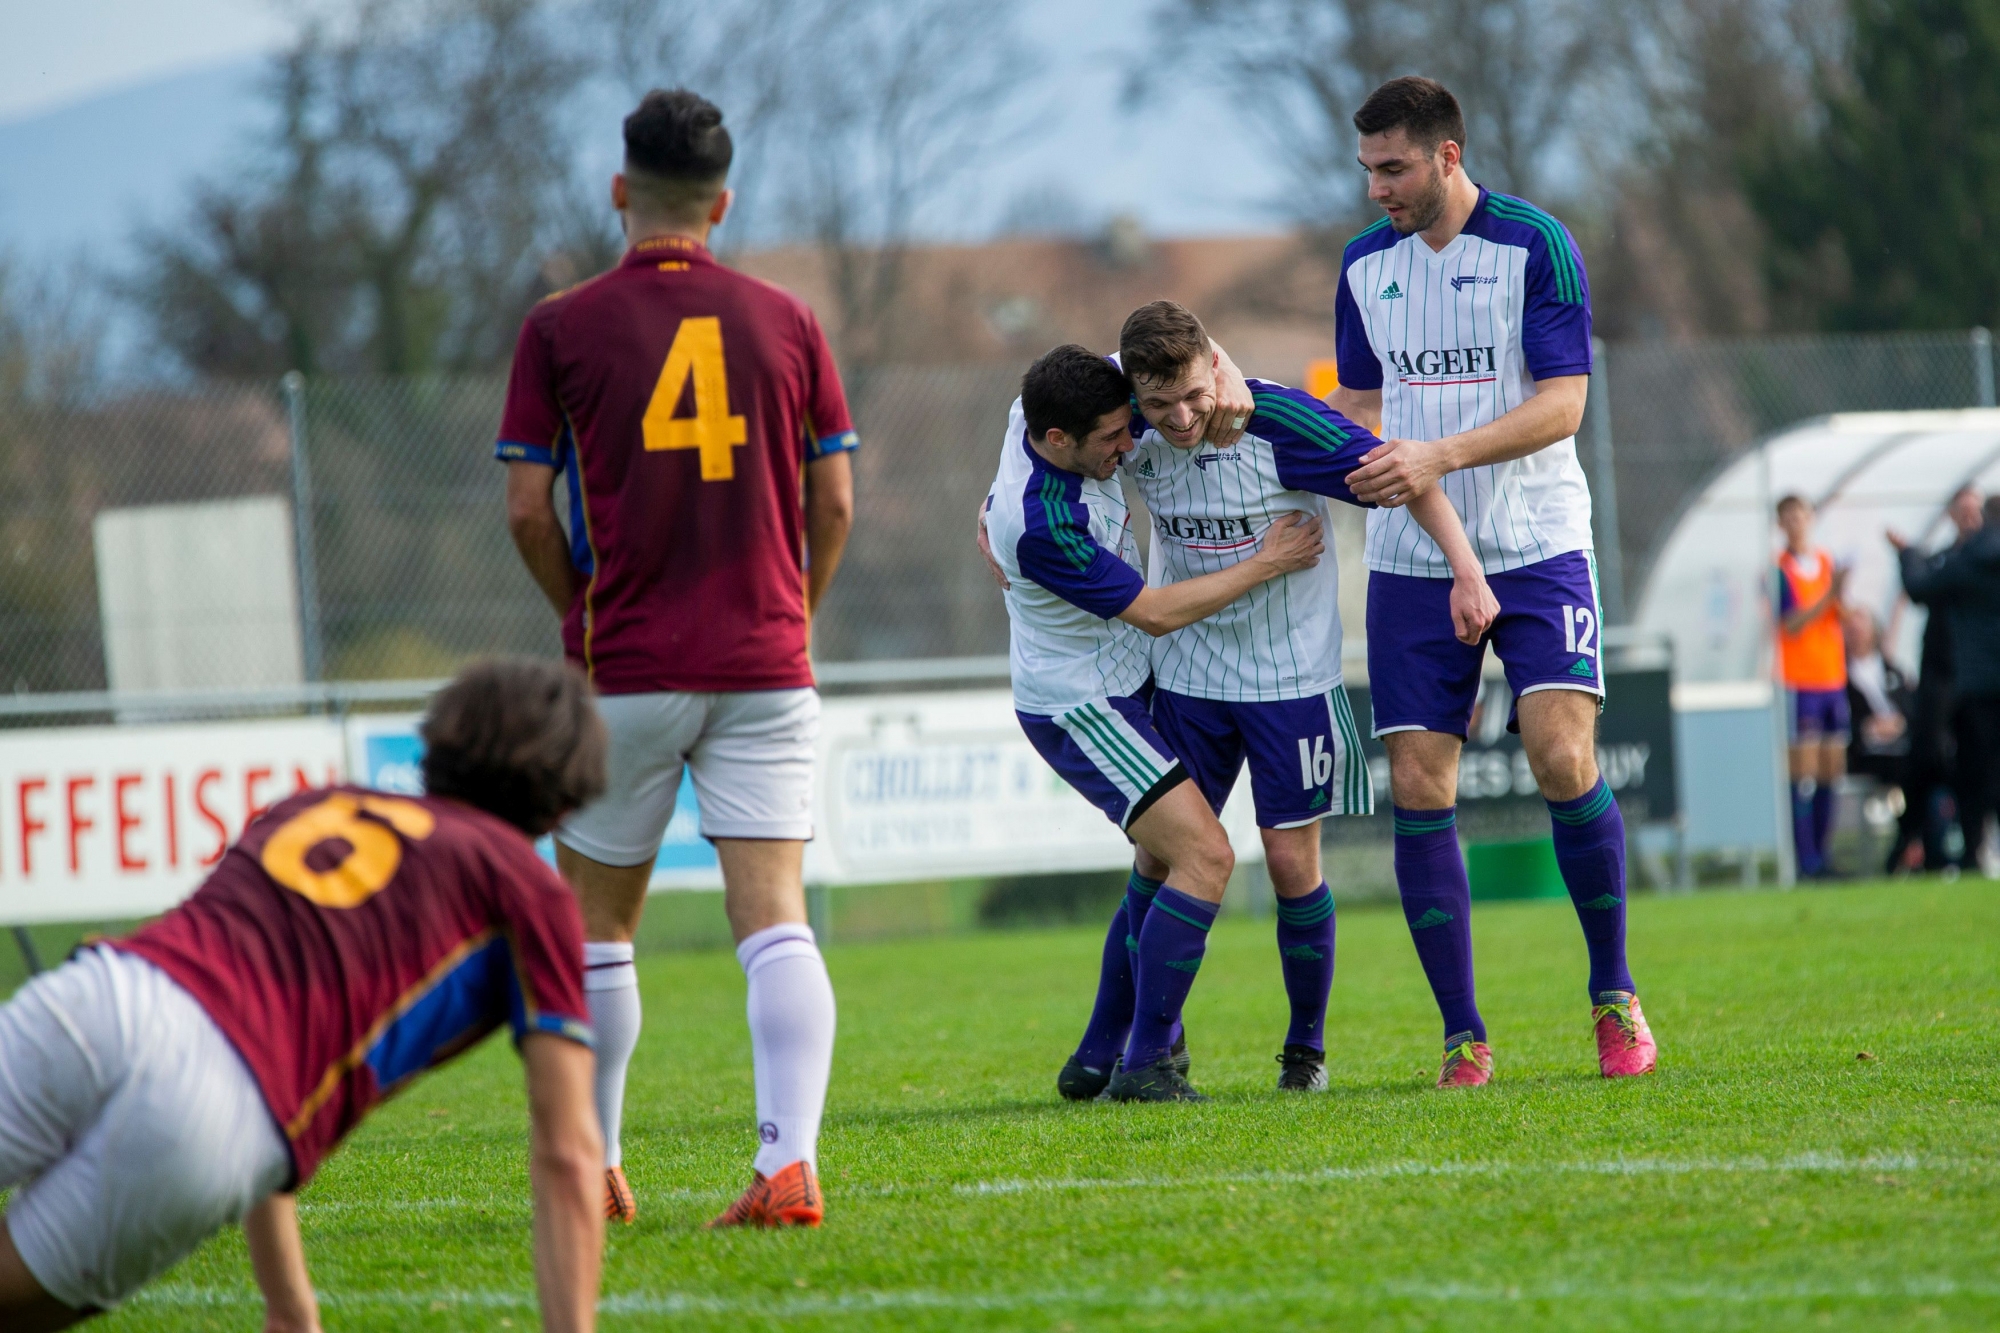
x,y
1867,472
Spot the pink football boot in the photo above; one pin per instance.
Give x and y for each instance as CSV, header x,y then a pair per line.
x,y
1624,1042
1467,1063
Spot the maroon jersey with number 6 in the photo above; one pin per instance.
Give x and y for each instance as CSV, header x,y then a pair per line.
x,y
682,400
353,939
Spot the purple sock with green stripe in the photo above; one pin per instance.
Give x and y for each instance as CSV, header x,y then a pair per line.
x,y
1171,944
1305,953
1111,1016
1590,848
1437,903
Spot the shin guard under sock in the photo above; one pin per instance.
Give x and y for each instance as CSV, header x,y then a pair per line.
x,y
1437,904
1171,944
1111,1016
1305,954
791,1042
1589,834
611,989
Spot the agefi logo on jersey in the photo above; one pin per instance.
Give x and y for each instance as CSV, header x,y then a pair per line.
x,y
1450,361
1185,529
1219,456
1464,280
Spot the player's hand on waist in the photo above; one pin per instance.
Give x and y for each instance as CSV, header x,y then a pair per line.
x,y
986,551
1292,543
1395,472
1474,608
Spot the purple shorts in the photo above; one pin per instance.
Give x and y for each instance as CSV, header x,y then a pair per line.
x,y
1815,716
1421,678
1109,751
1304,754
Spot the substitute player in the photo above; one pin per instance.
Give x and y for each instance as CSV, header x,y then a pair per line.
x,y
1260,681
162,1086
1812,658
1080,617
699,420
1463,327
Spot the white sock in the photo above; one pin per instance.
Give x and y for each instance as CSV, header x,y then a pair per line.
x,y
611,985
791,1040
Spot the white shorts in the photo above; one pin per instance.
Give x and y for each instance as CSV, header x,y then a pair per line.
x,y
750,755
138,1129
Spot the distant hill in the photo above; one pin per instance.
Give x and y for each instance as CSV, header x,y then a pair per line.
x,y
81,177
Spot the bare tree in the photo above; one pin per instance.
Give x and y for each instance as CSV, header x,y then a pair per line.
x,y
1522,69
1708,86
906,98
746,57
410,198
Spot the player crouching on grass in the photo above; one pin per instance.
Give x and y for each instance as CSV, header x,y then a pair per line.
x,y
1260,682
1081,624
159,1087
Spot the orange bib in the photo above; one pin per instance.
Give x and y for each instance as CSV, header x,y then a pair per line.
x,y
1815,658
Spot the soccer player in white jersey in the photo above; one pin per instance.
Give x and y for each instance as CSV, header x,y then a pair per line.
x,y
1260,681
1463,328
1080,618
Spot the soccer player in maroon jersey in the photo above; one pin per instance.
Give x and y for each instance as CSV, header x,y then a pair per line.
x,y
699,421
159,1087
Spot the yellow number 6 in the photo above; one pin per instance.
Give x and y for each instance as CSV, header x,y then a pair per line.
x,y
373,852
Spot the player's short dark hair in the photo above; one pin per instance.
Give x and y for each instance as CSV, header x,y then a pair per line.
x,y
1787,501
1159,340
1422,108
1069,388
518,737
677,153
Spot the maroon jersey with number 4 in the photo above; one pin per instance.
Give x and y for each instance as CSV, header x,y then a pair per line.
x,y
682,400
353,939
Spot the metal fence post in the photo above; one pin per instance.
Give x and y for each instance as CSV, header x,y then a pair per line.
x,y
1982,367
1604,488
302,526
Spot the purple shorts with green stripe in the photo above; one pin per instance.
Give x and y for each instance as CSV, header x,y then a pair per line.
x,y
1109,750
1421,678
1304,754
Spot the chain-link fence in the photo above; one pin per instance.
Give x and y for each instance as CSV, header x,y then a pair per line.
x,y
1680,412
404,567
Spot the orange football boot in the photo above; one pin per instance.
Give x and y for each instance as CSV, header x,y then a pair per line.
x,y
619,1205
791,1198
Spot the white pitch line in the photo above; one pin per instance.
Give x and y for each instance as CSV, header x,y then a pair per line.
x,y
1180,1295
1635,1166
1803,1163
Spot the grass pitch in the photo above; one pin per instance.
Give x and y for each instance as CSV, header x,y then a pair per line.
x,y
1766,1177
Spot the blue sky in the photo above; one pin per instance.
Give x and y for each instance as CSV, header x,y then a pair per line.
x,y
110,108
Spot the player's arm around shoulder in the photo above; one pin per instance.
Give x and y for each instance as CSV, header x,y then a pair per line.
x,y
566,1165
1396,471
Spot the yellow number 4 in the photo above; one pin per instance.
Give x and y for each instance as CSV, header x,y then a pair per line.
x,y
697,351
